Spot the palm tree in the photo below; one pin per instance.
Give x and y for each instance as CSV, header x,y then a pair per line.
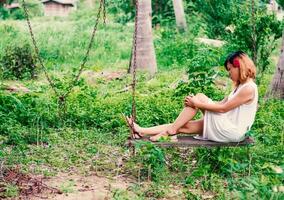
x,y
277,85
145,52
180,17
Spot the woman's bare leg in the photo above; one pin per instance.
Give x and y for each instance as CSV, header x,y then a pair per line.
x,y
182,123
195,126
149,130
152,130
185,116
190,127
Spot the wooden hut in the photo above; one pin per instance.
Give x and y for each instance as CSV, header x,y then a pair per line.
x,y
58,7
12,6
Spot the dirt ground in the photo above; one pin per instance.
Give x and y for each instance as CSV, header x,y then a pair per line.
x,y
91,187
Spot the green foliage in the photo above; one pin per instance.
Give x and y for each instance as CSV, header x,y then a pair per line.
x,y
91,135
10,191
18,62
21,113
125,10
155,191
202,71
3,12
281,3
162,11
267,30
34,7
152,160
173,49
218,14
232,21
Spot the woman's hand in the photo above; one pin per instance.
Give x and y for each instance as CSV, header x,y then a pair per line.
x,y
188,102
191,101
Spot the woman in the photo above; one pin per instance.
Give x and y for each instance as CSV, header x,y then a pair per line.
x,y
225,121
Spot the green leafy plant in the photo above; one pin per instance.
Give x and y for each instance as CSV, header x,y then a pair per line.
x,y
10,190
34,7
218,14
203,70
18,62
152,159
267,31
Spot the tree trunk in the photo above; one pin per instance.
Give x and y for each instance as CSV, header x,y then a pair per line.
x,y
180,17
277,85
89,3
273,5
145,52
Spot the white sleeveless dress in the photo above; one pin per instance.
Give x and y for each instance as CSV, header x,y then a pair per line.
x,y
232,125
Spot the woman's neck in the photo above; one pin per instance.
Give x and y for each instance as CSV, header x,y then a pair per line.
x,y
239,83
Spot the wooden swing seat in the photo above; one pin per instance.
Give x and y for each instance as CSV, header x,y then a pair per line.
x,y
189,141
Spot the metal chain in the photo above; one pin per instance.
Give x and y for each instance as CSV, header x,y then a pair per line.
x,y
62,98
85,59
134,66
37,50
104,11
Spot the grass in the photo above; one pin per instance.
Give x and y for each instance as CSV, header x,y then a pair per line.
x,y
92,134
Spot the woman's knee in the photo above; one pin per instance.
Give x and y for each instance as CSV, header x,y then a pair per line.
x,y
202,97
195,126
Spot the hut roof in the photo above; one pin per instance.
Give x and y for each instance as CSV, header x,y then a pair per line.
x,y
12,5
65,2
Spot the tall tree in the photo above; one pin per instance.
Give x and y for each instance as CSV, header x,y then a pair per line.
x,y
145,52
276,89
179,14
277,85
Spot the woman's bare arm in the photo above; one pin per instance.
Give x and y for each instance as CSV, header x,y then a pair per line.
x,y
244,95
223,101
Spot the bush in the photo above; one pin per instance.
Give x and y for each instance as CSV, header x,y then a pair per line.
x,y
152,160
173,49
268,30
3,12
202,71
218,14
18,62
24,115
281,3
34,9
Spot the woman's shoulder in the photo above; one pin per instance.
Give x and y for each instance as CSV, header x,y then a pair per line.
x,y
249,89
248,84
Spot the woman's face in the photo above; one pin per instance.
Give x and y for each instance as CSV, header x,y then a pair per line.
x,y
234,72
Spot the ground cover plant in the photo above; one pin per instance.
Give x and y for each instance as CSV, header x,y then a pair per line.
x,y
89,138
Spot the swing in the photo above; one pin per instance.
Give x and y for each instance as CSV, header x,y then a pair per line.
x,y
182,141
62,97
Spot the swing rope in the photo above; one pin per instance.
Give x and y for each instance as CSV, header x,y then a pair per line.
x,y
134,66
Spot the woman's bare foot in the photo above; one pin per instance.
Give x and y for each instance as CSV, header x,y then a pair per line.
x,y
165,134
136,134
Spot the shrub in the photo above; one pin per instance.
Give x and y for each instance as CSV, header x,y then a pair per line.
x,y
281,3
34,9
18,62
174,50
202,71
3,12
267,31
152,160
218,14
